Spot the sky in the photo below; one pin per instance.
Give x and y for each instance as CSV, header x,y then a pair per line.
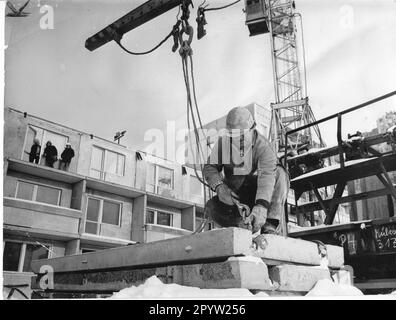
x,y
349,46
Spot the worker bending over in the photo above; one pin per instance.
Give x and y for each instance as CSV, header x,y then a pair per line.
x,y
252,176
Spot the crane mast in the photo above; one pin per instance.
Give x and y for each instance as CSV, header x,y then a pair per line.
x,y
290,109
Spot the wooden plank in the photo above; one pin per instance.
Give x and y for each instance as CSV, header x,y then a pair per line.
x,y
282,249
210,245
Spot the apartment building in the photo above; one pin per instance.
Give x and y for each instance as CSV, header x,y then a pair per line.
x,y
110,196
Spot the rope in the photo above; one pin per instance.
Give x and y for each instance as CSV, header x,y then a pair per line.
x,y
118,41
223,7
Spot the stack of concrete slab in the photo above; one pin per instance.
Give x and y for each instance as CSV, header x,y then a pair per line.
x,y
221,258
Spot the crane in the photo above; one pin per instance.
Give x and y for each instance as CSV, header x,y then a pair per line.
x,y
276,17
291,108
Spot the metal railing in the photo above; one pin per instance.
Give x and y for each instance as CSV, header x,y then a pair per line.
x,y
337,115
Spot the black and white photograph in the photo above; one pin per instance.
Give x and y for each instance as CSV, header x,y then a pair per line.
x,y
196,155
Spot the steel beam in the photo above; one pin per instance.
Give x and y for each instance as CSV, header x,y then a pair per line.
x,y
138,16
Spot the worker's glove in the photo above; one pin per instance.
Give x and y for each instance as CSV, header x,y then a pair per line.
x,y
257,217
225,194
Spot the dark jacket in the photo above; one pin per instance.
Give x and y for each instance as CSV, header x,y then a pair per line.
x,y
67,154
263,164
50,153
35,151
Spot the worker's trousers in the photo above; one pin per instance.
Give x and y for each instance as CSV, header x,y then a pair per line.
x,y
228,216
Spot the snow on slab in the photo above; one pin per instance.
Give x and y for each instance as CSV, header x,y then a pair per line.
x,y
327,287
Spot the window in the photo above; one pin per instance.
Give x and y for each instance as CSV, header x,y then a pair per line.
x,y
150,216
37,192
164,218
100,211
87,250
159,178
33,132
105,161
196,187
159,217
11,256
19,255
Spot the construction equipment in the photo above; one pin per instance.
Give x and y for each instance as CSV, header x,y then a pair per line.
x,y
276,17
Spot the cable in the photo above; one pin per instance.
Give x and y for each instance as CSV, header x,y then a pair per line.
x,y
190,109
223,7
118,41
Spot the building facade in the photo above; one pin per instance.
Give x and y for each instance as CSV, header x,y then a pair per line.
x,y
110,196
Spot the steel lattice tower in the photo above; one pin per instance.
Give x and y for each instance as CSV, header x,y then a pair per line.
x,y
290,109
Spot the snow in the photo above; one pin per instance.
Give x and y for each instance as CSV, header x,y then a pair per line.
x,y
327,287
154,288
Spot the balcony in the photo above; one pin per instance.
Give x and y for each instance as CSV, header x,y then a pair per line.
x,y
41,219
43,171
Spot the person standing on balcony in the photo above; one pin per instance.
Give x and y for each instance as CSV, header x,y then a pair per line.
x,y
34,155
50,154
66,157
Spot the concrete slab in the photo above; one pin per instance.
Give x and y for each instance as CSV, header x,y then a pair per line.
x,y
297,278
203,247
279,249
236,272
240,272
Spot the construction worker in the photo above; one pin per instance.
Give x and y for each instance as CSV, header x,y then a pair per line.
x,y
252,176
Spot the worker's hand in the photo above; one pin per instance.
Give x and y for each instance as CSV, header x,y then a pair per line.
x,y
225,194
257,217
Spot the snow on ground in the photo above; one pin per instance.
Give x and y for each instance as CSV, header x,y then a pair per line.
x,y
154,288
326,287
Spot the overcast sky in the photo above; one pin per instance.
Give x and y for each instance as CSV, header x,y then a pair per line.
x,y
350,52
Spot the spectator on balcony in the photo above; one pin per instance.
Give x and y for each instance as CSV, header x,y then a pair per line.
x,y
34,155
66,157
50,154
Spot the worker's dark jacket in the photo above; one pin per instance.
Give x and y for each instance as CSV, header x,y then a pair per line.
x,y
263,164
34,152
50,153
67,155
